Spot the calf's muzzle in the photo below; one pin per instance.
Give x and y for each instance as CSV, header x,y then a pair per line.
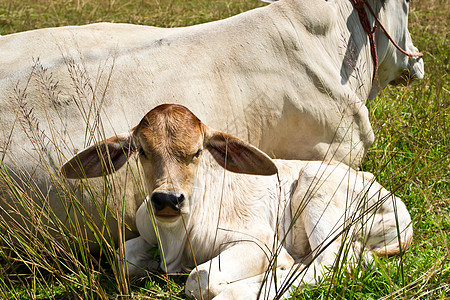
x,y
161,201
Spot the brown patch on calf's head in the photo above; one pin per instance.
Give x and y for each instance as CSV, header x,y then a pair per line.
x,y
176,134
172,128
170,139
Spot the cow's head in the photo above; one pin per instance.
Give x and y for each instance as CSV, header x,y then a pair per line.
x,y
169,142
394,66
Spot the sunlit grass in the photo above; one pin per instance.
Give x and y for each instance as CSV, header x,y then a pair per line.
x,y
18,15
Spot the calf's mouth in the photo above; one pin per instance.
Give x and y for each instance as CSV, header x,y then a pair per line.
x,y
168,214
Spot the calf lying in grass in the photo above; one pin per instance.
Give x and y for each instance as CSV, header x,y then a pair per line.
x,y
293,218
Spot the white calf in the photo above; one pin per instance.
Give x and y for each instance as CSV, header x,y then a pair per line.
x,y
233,226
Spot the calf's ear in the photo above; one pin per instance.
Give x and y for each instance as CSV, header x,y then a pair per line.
x,y
238,156
104,157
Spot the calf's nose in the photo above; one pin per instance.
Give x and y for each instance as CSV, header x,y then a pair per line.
x,y
163,200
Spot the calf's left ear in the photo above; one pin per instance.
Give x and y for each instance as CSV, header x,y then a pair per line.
x,y
238,156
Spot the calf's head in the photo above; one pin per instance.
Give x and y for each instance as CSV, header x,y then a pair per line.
x,y
169,142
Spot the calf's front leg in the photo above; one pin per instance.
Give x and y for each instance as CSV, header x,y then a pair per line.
x,y
239,262
137,259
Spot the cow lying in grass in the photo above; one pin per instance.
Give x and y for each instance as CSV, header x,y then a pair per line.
x,y
232,227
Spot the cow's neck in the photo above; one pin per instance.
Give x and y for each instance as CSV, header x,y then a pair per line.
x,y
356,53
359,49
335,25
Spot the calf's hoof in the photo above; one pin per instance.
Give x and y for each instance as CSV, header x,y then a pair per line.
x,y
199,286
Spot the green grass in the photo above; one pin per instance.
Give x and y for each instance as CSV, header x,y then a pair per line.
x,y
410,156
18,15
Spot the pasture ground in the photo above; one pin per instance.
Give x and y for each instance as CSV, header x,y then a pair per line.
x,y
410,156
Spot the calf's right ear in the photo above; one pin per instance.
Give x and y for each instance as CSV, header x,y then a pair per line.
x,y
238,156
105,157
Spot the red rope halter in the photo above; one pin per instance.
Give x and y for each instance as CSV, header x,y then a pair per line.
x,y
359,6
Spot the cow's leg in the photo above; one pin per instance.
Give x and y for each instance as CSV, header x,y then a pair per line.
x,y
241,261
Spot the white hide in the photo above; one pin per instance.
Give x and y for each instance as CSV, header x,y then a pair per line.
x,y
237,222
276,77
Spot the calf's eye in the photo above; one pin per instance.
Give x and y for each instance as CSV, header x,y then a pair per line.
x,y
142,153
197,154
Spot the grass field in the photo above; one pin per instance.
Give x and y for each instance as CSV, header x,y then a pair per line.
x,y
410,156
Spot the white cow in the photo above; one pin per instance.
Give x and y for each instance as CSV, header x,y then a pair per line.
x,y
231,226
291,78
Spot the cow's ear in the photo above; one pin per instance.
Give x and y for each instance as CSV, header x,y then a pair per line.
x,y
102,158
238,156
